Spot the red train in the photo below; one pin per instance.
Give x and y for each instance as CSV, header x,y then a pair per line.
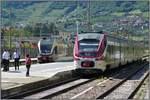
x,y
100,51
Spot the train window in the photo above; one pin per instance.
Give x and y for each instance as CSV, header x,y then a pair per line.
x,y
88,45
91,41
89,54
55,50
45,48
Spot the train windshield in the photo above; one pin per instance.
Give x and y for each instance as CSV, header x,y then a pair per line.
x,y
46,46
89,54
88,47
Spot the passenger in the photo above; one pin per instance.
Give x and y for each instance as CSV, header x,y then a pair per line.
x,y
2,60
9,56
16,58
5,58
28,64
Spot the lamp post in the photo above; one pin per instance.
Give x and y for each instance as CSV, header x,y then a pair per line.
x,y
93,28
40,29
10,11
77,26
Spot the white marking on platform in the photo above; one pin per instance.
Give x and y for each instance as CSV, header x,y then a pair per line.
x,y
4,81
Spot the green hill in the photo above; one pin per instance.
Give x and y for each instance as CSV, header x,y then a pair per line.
x,y
66,13
53,11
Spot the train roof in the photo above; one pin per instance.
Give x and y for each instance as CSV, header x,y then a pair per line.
x,y
98,35
100,32
124,40
46,41
89,36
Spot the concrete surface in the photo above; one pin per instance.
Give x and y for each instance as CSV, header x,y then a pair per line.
x,y
14,82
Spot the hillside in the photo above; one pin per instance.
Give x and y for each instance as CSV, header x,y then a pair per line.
x,y
65,14
52,11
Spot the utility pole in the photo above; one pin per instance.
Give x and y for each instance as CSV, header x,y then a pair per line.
x,y
77,23
89,16
77,26
40,27
10,12
32,28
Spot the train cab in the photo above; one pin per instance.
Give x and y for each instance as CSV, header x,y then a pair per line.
x,y
89,50
45,46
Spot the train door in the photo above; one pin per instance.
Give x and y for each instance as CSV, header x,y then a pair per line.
x,y
119,52
111,52
128,52
55,50
133,50
115,51
123,51
119,48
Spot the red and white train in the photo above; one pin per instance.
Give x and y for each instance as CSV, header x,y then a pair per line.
x,y
100,51
50,49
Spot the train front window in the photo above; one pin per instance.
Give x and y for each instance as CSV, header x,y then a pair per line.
x,y
45,46
88,54
88,47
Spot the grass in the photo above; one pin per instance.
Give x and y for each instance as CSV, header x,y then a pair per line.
x,y
37,13
137,38
135,12
142,91
145,14
118,14
102,18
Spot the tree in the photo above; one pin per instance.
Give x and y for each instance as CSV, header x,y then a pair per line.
x,y
127,6
53,29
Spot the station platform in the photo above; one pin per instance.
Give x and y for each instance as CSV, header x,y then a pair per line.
x,y
13,82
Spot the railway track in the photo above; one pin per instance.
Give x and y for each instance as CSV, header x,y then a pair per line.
x,y
34,91
129,86
57,90
95,88
101,89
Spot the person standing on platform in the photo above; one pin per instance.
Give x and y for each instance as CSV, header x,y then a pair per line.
x,y
28,64
5,58
16,58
